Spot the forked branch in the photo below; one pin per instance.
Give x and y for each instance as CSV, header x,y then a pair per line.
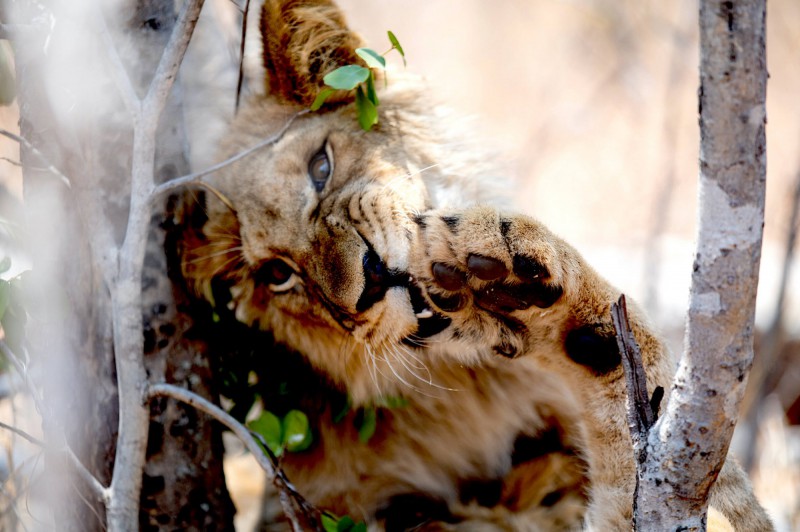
x,y
260,452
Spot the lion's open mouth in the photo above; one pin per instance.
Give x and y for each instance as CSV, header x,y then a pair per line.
x,y
429,322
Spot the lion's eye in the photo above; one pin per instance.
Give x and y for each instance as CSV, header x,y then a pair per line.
x,y
320,168
277,274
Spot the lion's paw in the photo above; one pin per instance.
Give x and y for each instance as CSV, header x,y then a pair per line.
x,y
488,273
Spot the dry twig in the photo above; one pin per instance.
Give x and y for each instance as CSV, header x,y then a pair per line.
x,y
192,179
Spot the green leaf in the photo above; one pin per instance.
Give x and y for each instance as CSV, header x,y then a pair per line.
x,y
5,297
367,113
345,524
346,78
321,97
368,425
5,264
372,58
396,45
296,431
329,523
392,401
343,412
372,95
269,427
360,527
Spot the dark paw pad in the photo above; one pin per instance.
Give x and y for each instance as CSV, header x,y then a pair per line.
x,y
486,268
448,277
589,347
500,298
529,269
450,303
504,299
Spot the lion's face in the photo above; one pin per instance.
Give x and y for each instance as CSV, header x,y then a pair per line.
x,y
314,239
316,246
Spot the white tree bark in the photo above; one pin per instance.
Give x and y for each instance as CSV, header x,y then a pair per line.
x,y
687,446
89,241
126,288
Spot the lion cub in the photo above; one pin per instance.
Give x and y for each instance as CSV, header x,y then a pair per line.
x,y
378,265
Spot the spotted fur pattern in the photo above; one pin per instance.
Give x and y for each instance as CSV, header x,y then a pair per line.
x,y
386,262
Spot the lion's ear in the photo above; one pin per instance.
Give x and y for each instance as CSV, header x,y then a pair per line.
x,y
304,40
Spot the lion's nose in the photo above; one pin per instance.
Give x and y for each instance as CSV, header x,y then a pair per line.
x,y
377,280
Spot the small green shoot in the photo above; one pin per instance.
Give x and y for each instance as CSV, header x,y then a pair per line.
x,y
268,426
296,431
291,434
396,46
361,80
368,425
331,523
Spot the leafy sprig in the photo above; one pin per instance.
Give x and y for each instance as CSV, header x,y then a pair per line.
x,y
292,433
361,79
332,523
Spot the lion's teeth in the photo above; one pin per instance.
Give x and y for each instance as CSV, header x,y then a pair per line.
x,y
423,314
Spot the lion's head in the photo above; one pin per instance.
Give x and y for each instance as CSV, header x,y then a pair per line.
x,y
313,240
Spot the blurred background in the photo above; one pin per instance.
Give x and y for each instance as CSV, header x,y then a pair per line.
x,y
592,107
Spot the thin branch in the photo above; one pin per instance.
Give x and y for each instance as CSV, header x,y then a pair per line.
x,y
98,490
23,434
6,351
172,58
241,55
204,405
11,161
191,179
118,71
49,167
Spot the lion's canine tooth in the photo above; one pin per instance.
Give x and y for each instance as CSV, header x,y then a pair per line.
x,y
423,314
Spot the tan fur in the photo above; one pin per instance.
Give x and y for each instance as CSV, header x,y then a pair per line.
x,y
417,195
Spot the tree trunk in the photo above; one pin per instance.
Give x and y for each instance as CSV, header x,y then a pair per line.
x,y
686,448
72,112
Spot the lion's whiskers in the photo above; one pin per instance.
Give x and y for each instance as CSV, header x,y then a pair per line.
x,y
409,175
220,253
